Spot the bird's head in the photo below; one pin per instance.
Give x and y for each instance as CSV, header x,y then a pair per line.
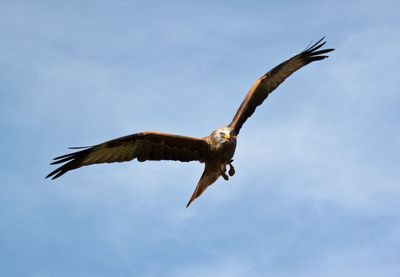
x,y
223,135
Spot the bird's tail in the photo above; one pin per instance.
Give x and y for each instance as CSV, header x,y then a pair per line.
x,y
211,173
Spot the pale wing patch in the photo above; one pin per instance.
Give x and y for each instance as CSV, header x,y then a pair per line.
x,y
106,154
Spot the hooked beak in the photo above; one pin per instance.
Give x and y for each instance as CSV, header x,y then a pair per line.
x,y
229,137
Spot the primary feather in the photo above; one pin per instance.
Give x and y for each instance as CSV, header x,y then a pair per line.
x,y
272,79
142,146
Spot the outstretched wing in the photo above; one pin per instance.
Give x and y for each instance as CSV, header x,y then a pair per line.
x,y
271,80
142,146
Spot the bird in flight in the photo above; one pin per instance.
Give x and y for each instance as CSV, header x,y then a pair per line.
x,y
215,151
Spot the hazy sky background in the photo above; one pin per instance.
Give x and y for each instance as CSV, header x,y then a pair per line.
x,y
317,187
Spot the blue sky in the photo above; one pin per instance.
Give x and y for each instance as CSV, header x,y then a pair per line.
x,y
317,187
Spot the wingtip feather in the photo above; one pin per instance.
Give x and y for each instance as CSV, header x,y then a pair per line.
x,y
51,174
57,173
314,47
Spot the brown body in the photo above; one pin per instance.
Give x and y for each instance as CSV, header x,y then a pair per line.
x,y
216,151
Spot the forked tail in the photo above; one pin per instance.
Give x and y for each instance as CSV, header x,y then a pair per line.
x,y
210,175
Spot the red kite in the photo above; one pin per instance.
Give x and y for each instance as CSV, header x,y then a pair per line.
x,y
215,151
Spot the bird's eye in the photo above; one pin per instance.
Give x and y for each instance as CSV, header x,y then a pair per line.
x,y
221,134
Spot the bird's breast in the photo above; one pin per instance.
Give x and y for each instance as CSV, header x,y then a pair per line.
x,y
224,151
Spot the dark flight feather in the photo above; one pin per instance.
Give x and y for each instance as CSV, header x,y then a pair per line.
x,y
272,79
142,146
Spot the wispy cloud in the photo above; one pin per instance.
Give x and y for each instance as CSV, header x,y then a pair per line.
x,y
316,187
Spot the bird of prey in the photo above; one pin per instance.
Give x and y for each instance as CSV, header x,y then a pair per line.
x,y
215,151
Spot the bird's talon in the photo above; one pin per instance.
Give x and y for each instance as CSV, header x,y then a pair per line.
x,y
231,170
